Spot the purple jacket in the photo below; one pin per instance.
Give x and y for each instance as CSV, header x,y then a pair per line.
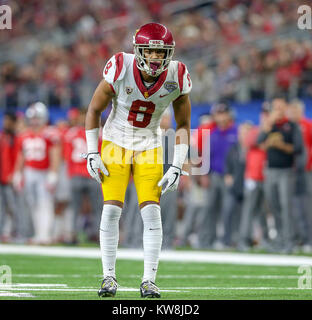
x,y
220,143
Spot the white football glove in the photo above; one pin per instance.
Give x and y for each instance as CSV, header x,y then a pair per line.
x,y
94,164
172,177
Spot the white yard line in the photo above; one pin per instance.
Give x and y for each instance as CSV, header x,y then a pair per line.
x,y
207,276
85,289
31,275
240,288
173,289
32,285
14,294
40,275
167,276
169,255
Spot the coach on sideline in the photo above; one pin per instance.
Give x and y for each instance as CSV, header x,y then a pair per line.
x,y
282,140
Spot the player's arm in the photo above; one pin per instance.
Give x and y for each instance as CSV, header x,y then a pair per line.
x,y
101,98
182,114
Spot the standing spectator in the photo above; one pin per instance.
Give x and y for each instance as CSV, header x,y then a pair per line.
x,y
8,203
234,182
201,134
254,200
36,171
222,139
283,141
80,182
303,167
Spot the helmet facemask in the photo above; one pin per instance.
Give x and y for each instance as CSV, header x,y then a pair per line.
x,y
147,65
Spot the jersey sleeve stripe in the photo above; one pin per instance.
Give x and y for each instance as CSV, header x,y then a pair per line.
x,y
181,71
119,65
112,88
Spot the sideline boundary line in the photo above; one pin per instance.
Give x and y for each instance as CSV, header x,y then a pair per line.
x,y
166,255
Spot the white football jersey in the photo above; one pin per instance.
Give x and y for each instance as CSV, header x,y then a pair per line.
x,y
133,122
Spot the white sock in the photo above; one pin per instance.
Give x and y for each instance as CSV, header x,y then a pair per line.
x,y
109,236
152,239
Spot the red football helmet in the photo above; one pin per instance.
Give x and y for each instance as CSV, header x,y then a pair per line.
x,y
153,36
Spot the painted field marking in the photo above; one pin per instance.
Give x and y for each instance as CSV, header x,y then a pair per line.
x,y
32,285
38,275
166,255
238,288
185,276
14,294
172,290
85,289
165,276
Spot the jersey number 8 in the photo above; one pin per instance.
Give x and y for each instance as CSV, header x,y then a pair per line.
x,y
140,113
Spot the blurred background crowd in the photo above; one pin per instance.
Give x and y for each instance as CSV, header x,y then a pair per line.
x,y
238,51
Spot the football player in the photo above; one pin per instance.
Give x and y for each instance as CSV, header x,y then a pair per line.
x,y
36,170
80,181
141,87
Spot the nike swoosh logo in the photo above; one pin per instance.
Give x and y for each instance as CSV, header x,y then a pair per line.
x,y
90,161
154,229
175,179
161,96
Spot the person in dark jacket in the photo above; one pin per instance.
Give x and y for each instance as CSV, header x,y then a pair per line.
x,y
223,137
283,141
303,169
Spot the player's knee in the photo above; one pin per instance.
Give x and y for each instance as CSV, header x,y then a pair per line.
x,y
114,203
145,203
110,213
152,219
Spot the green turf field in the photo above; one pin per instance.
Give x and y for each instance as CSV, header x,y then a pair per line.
x,y
40,277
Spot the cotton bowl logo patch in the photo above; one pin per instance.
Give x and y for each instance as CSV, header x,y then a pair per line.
x,y
129,90
170,86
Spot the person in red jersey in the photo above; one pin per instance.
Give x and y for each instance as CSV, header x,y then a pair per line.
x,y
80,181
8,204
254,200
205,128
36,170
